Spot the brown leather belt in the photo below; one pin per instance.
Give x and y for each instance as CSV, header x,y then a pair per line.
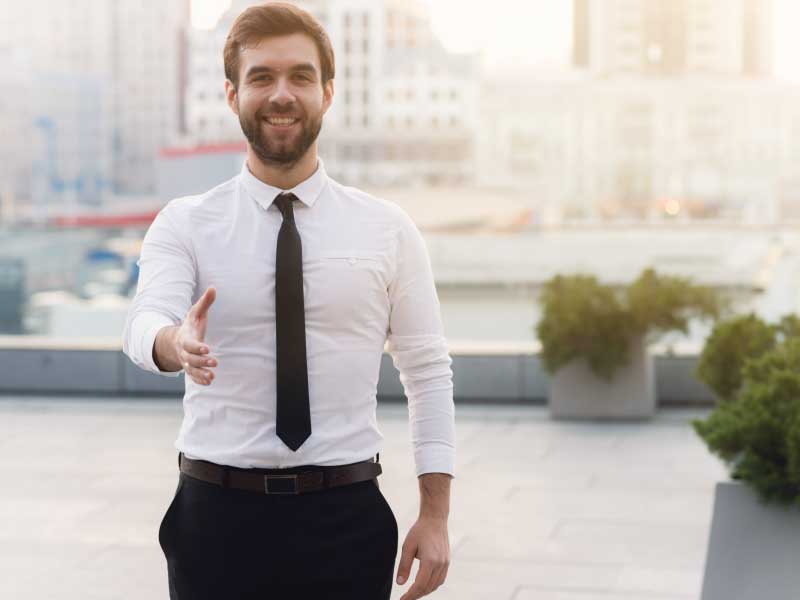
x,y
293,480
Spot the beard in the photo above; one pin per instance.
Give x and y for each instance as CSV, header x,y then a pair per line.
x,y
271,150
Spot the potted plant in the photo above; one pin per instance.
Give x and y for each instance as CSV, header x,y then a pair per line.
x,y
734,341
595,340
754,545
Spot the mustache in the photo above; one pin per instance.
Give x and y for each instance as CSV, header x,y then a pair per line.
x,y
274,109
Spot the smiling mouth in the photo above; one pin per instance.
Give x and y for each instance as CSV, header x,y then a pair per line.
x,y
281,121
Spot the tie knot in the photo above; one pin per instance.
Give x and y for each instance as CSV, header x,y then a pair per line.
x,y
284,203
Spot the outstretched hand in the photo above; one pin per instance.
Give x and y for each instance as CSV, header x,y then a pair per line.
x,y
190,340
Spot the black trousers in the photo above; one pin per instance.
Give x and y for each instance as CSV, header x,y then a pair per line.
x,y
229,544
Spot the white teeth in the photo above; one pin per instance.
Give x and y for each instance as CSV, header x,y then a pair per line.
x,y
280,120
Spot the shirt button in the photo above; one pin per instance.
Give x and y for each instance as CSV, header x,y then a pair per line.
x,y
352,260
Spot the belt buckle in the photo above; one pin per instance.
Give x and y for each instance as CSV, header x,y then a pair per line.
x,y
286,490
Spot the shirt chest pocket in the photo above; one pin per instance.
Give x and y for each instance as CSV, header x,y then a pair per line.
x,y
353,260
355,267
346,283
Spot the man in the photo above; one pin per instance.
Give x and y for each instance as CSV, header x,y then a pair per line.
x,y
275,293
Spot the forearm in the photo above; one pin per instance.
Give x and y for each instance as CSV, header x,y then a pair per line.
x,y
434,494
164,349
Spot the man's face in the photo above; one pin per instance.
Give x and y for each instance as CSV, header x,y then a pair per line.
x,y
280,99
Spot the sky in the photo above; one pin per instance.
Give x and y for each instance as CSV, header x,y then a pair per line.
x,y
536,32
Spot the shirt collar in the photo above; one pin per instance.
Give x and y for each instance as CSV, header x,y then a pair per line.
x,y
307,191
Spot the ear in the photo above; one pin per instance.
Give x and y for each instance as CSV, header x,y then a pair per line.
x,y
231,96
327,95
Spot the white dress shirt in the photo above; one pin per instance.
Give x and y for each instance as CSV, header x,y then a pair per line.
x,y
367,280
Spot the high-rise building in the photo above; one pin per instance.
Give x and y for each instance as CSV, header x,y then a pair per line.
x,y
58,142
148,70
654,37
16,149
104,91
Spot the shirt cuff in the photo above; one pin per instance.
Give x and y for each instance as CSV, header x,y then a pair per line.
x,y
430,459
150,324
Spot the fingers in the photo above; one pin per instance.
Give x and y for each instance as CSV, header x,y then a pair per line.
x,y
443,575
437,577
193,347
200,307
406,558
198,375
422,583
197,362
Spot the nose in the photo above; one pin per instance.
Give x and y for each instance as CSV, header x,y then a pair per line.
x,y
282,95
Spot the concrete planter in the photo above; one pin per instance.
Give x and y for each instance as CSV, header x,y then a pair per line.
x,y
577,393
753,549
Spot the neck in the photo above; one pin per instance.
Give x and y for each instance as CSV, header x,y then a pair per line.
x,y
282,177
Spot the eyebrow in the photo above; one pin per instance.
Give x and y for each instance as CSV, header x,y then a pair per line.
x,y
303,67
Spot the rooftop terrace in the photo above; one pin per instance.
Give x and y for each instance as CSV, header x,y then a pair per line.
x,y
540,509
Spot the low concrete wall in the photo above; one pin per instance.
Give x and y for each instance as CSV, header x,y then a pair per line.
x,y
493,376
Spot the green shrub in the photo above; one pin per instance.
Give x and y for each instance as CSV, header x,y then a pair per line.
x,y
735,341
757,433
730,345
666,303
582,318
788,327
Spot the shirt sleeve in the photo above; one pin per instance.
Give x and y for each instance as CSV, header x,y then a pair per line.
x,y
163,292
418,348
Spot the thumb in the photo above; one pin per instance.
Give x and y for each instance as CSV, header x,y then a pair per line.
x,y
406,558
206,300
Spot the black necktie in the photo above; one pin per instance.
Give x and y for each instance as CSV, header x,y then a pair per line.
x,y
293,413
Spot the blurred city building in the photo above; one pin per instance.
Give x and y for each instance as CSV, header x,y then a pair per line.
x,y
730,37
673,148
98,89
186,170
669,114
16,151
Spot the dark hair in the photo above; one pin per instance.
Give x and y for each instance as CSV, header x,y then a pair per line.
x,y
275,19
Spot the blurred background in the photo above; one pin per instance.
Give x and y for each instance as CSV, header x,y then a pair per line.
x,y
525,140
